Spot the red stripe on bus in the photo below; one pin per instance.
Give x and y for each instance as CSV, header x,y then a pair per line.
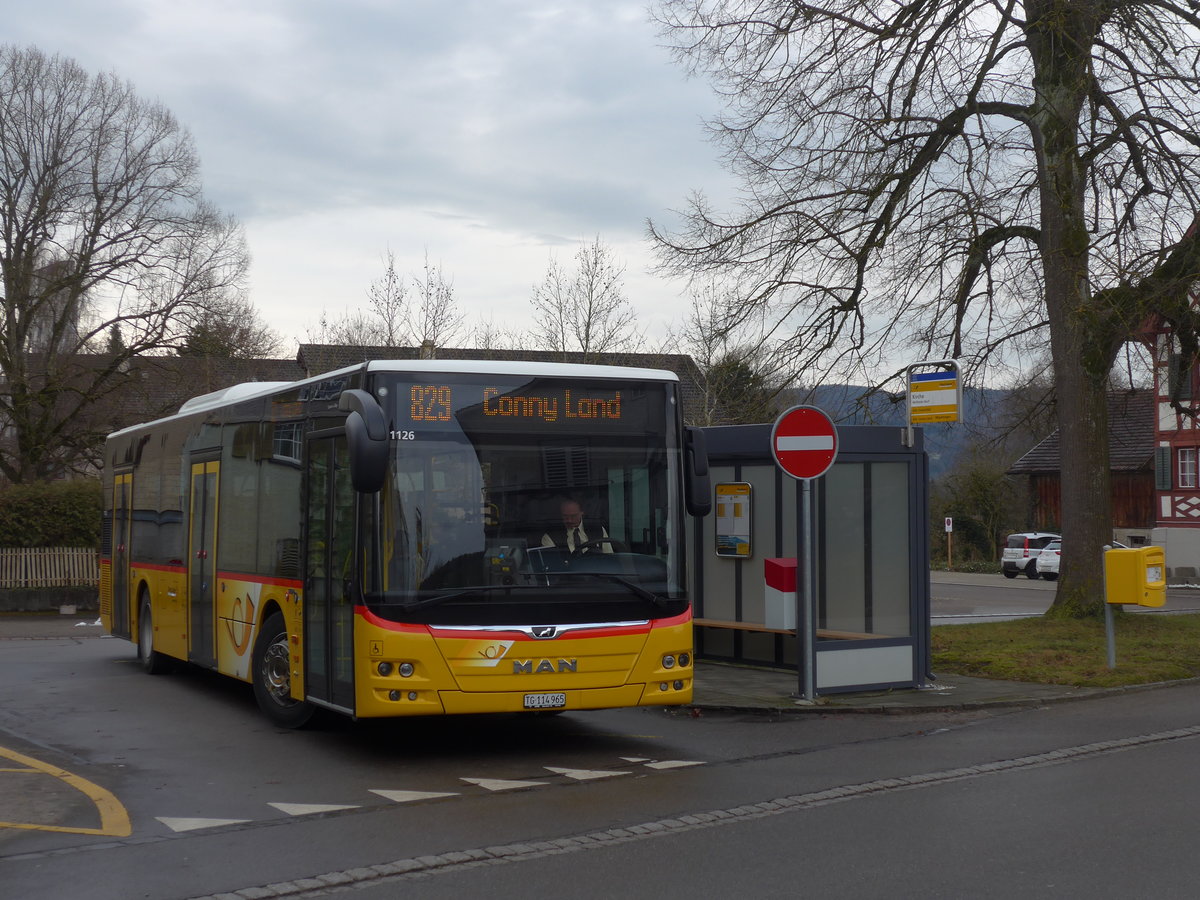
x,y
295,583
391,626
601,630
155,567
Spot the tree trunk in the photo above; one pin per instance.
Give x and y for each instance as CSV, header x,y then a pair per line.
x,y
1084,467
1060,46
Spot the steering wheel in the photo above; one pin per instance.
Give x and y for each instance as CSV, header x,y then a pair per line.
x,y
587,546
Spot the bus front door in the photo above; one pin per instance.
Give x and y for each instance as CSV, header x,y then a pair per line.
x,y
328,575
202,559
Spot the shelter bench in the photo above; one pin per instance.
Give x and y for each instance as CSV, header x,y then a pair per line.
x,y
827,633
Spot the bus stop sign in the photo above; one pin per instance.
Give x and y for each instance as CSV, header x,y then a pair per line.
x,y
804,442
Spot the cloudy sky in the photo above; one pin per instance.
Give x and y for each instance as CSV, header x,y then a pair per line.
x,y
491,134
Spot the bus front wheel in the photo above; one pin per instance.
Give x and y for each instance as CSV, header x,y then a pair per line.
x,y
152,661
273,676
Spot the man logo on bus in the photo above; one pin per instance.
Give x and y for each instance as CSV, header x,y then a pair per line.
x,y
544,631
526,667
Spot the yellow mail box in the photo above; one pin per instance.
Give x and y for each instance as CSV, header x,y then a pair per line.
x,y
1136,576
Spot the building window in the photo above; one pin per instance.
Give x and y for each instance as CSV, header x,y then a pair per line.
x,y
1187,467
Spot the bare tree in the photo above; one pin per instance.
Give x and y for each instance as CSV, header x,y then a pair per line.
x,y
585,310
388,299
434,320
487,335
352,328
961,179
384,321
102,224
739,364
229,329
393,317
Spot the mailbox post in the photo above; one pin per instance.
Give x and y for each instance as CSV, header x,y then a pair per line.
x,y
1134,576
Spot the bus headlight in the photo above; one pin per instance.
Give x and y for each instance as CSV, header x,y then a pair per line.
x,y
406,670
668,661
384,669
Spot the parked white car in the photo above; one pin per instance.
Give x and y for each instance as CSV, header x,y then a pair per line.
x,y
1021,552
1048,559
1051,555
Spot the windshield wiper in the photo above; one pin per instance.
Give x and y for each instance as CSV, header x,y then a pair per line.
x,y
636,589
477,591
484,589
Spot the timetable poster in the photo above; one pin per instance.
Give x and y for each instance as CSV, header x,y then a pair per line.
x,y
733,519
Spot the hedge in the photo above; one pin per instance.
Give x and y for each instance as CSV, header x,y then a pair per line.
x,y
52,514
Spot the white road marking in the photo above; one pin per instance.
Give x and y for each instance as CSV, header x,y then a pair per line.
x,y
499,784
402,796
178,825
410,796
308,809
583,774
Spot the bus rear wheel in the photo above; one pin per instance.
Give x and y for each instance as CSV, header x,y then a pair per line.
x,y
272,676
152,661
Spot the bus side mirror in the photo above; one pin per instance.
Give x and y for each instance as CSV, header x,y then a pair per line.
x,y
696,483
366,440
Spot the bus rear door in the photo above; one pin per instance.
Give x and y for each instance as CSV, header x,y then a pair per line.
x,y
202,559
121,526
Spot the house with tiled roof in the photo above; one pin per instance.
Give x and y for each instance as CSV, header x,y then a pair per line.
x,y
141,389
1131,442
1176,452
150,387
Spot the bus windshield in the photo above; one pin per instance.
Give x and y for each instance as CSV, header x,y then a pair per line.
x,y
527,500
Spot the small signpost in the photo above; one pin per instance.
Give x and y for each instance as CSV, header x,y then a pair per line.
x,y
949,543
934,392
804,443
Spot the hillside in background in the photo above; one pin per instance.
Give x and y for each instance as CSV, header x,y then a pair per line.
x,y
982,418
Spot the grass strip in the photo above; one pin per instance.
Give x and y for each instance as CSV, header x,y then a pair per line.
x,y
1149,648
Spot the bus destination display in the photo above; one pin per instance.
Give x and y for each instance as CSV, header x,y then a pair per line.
x,y
430,403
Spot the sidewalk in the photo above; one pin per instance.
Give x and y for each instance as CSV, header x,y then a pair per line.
x,y
746,689
718,686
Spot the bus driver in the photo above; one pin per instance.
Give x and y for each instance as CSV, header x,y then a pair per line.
x,y
574,535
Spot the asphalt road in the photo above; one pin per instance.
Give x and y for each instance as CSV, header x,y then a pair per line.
x,y
958,597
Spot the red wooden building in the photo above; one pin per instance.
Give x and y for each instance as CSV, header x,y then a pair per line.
x,y
1131,450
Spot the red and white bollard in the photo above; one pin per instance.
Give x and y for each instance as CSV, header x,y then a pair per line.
x,y
780,593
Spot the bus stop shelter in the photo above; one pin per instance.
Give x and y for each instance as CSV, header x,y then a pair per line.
x,y
871,559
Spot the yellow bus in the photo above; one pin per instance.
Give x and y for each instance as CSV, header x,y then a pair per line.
x,y
394,539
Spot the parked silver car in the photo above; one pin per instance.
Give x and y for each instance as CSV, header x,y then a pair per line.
x,y
1021,552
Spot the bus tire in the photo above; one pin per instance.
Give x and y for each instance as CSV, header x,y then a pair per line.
x,y
272,676
152,661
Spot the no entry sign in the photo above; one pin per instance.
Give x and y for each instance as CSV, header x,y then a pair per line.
x,y
804,442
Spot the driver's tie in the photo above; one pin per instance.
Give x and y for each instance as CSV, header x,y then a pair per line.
x,y
575,539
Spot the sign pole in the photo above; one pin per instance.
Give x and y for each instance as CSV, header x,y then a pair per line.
x,y
804,442
1110,637
806,611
